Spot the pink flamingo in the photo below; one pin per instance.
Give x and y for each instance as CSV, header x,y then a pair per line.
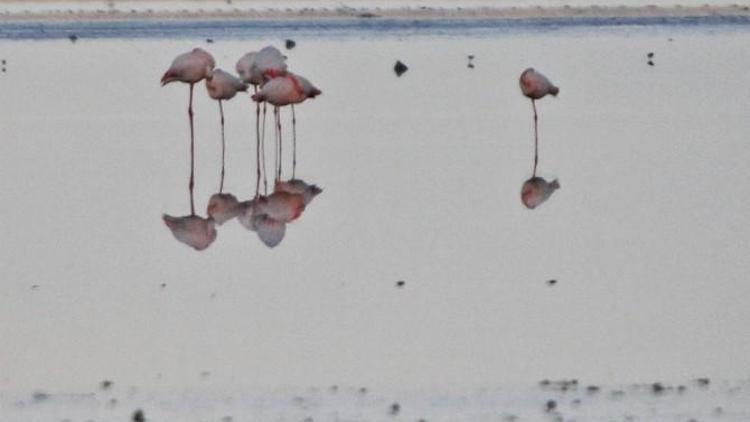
x,y
534,85
191,68
268,215
299,187
256,68
281,91
222,86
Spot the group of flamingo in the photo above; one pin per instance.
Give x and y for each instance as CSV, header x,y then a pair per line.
x,y
266,214
536,190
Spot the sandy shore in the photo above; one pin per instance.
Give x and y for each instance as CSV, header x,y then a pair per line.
x,y
144,9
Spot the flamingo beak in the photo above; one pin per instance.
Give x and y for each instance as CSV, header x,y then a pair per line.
x,y
167,78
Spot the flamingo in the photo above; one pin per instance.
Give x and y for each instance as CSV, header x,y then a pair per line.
x,y
535,86
255,68
223,86
280,91
191,68
537,190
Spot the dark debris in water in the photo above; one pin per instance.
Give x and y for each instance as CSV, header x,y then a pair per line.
x,y
73,38
395,408
290,44
400,284
400,68
138,416
105,385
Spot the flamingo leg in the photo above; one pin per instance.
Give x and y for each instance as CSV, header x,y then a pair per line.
x,y
278,127
223,147
294,143
191,184
263,151
536,138
257,145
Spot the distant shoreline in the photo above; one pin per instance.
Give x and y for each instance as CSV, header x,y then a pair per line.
x,y
420,12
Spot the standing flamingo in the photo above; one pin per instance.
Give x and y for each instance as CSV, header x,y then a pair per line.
x,y
256,68
285,90
534,85
223,86
191,68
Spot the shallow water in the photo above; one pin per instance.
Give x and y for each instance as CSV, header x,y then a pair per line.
x,y
422,176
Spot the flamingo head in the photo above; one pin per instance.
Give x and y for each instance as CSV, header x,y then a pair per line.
x,y
168,77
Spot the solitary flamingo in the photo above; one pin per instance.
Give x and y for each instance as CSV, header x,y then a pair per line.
x,y
281,91
534,85
537,190
255,68
191,68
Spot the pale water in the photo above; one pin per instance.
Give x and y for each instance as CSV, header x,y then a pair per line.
x,y
647,237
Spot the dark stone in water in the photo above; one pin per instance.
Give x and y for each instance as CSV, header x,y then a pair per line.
x,y
395,408
550,406
650,55
703,382
73,38
105,385
209,40
592,389
400,284
367,15
138,416
650,63
363,390
290,44
40,396
400,68
551,282
657,388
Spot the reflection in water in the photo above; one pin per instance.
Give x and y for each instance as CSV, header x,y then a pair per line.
x,y
267,215
192,230
537,190
535,86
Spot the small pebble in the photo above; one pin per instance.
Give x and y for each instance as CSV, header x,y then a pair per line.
x,y
73,38
105,385
551,282
550,406
650,63
290,44
400,284
209,40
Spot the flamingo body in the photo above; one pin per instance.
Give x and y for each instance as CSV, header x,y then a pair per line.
x,y
535,85
224,86
258,67
190,67
285,90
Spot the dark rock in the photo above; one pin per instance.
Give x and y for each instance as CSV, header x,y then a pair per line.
x,y
105,385
138,416
703,382
395,408
650,55
290,44
400,68
650,63
73,38
592,389
400,284
657,388
39,396
550,406
209,40
551,282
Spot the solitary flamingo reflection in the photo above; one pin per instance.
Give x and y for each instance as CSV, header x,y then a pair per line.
x,y
534,85
281,91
